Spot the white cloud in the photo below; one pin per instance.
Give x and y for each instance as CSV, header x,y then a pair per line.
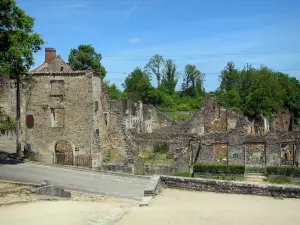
x,y
135,40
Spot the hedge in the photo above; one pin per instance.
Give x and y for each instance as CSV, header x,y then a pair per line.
x,y
219,168
287,171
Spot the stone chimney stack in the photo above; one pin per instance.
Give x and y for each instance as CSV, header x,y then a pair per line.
x,y
50,55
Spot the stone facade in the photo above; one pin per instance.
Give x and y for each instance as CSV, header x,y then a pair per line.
x,y
217,135
65,106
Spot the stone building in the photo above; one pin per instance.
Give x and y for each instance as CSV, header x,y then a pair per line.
x,y
213,135
61,109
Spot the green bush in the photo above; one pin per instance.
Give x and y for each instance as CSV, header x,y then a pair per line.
x,y
219,168
283,180
287,171
179,116
161,147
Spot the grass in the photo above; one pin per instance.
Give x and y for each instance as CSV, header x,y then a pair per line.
x,y
33,159
280,180
179,116
222,178
185,174
159,161
144,154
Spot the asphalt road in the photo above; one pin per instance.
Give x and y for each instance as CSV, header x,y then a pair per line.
x,y
85,181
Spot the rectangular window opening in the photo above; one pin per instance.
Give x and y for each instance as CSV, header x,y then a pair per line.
x,y
57,117
96,106
57,87
106,118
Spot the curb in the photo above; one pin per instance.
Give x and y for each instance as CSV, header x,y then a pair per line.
x,y
151,191
91,170
21,183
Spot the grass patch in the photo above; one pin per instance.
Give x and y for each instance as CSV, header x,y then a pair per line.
x,y
33,159
230,178
144,154
179,116
159,161
280,180
185,174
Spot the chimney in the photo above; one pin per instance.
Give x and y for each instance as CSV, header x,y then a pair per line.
x,y
287,111
50,55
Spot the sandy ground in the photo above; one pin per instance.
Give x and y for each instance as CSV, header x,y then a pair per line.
x,y
19,206
61,213
175,207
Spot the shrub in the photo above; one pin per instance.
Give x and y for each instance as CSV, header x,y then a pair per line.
x,y
161,147
219,168
287,171
283,180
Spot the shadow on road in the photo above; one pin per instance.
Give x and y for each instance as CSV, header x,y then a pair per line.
x,y
9,158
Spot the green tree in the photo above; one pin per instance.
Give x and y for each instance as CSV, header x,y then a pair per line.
x,y
86,58
113,91
192,81
18,42
137,84
155,66
170,77
230,78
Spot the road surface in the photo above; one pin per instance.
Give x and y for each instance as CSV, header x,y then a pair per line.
x,y
85,181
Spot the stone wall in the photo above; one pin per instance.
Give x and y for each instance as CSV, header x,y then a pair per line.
x,y
7,96
230,187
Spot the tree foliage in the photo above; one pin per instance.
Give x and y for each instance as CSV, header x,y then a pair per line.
x,y
170,77
137,84
256,91
86,58
192,81
114,92
155,66
18,41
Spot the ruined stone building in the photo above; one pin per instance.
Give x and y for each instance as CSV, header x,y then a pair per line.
x,y
61,110
68,112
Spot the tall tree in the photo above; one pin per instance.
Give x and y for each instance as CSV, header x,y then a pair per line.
x,y
192,81
137,84
170,77
230,78
85,58
155,66
18,42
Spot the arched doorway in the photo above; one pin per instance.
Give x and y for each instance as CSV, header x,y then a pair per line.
x,y
63,153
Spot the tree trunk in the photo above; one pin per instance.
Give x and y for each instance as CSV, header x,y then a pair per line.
x,y
18,119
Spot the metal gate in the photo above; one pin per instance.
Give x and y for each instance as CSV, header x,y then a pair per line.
x,y
70,160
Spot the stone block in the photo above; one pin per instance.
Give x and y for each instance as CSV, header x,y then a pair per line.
x,y
52,190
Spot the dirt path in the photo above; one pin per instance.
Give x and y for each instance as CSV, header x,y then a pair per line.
x,y
18,205
176,207
61,213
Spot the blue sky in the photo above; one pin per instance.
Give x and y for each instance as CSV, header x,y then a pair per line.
x,y
207,34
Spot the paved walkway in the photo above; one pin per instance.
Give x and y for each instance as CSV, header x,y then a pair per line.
x,y
127,187
175,207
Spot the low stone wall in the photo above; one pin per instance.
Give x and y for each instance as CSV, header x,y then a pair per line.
x,y
234,187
